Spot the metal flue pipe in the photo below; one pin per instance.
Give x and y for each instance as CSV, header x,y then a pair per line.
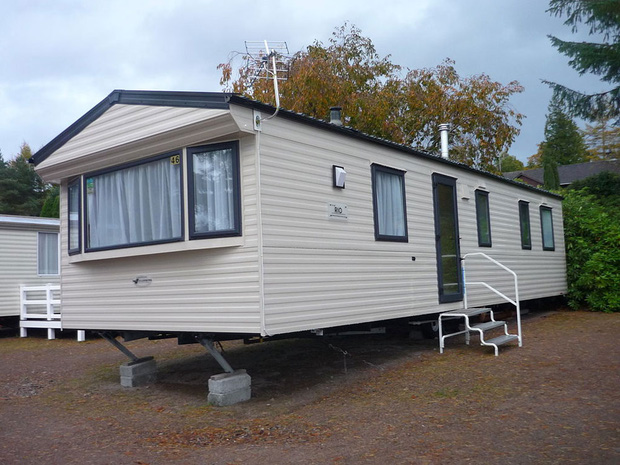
x,y
443,131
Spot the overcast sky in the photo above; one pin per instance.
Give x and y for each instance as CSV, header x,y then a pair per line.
x,y
60,58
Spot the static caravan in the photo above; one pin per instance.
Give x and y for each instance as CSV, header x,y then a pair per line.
x,y
196,213
29,257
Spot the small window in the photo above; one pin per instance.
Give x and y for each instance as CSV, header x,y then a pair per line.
x,y
483,218
47,254
74,217
214,194
546,223
139,204
390,211
524,220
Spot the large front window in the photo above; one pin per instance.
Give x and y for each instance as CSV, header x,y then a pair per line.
x,y
136,205
214,200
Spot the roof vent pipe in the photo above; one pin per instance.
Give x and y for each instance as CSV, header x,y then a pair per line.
x,y
443,131
335,116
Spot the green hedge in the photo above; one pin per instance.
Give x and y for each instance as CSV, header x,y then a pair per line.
x,y
592,232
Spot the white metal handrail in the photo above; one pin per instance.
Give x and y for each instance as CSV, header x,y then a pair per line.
x,y
516,281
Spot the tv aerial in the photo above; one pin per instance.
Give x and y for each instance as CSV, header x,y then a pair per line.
x,y
268,60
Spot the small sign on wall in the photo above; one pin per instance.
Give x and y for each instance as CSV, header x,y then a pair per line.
x,y
338,211
464,191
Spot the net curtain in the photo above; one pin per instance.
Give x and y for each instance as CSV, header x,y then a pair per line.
x,y
214,191
140,204
390,208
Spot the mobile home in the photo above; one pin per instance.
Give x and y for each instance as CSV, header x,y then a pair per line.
x,y
187,212
29,256
30,273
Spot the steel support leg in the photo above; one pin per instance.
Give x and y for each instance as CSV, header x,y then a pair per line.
x,y
208,344
112,340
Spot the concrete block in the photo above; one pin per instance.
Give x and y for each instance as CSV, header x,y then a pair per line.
x,y
227,382
138,373
229,388
231,398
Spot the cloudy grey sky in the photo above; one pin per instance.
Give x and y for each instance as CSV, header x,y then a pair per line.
x,y
59,58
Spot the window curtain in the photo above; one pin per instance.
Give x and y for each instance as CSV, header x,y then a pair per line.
x,y
74,216
214,191
140,204
47,253
390,208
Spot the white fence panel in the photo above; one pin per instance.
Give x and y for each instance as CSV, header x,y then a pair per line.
x,y
40,308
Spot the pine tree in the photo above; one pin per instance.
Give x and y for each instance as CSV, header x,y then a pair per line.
x,y
603,139
22,192
563,143
551,177
4,208
602,59
51,206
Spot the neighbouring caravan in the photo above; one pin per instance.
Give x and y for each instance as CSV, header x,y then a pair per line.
x,y
29,253
187,212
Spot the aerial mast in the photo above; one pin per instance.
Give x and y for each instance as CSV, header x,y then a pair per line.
x,y
268,60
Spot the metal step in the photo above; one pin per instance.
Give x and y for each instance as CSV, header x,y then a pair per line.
x,y
503,339
467,311
488,325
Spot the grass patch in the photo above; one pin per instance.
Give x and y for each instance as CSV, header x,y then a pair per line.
x,y
446,393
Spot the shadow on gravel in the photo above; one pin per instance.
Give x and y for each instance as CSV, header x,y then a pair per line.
x,y
288,366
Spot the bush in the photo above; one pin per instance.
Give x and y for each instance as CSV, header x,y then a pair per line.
x,y
605,186
592,232
51,206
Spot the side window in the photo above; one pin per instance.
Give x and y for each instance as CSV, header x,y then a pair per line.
x,y
546,223
74,217
139,204
47,254
390,211
214,192
483,218
524,220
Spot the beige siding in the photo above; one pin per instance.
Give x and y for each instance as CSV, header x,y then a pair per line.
x,y
209,290
321,272
18,264
540,273
300,269
130,132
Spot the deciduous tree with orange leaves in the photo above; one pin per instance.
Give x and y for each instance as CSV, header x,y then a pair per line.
x,y
383,99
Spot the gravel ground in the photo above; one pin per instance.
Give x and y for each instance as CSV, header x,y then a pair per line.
x,y
325,401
